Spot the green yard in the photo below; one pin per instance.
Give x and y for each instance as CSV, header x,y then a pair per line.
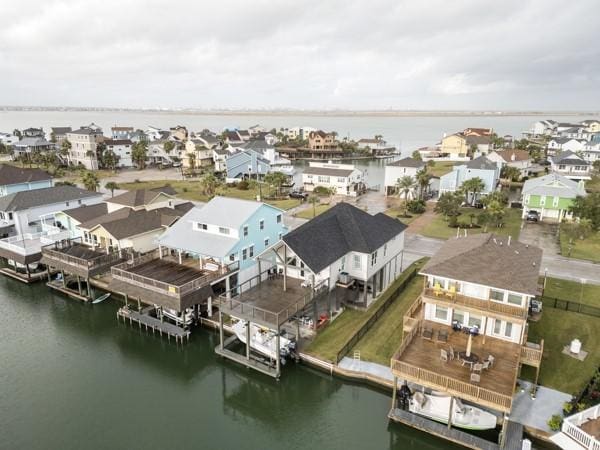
x,y
439,168
190,190
397,211
588,294
382,341
438,227
588,249
330,341
308,213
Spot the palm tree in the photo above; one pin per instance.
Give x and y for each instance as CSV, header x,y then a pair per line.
x,y
313,200
405,186
472,186
209,184
111,186
192,162
90,180
423,179
275,179
139,152
65,147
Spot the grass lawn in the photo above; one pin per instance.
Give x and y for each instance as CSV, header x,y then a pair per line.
x,y
384,338
583,249
588,294
189,190
593,185
308,212
396,211
330,341
558,328
438,227
440,168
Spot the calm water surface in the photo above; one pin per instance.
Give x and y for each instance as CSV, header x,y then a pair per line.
x,y
71,377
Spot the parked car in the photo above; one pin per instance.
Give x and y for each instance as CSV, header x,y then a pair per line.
x,y
532,216
298,194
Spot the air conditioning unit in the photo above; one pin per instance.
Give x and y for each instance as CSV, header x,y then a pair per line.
x,y
344,278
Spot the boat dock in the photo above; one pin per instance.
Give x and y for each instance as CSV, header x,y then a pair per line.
x,y
143,319
27,278
60,287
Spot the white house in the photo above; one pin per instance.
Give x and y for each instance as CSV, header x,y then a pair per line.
x,y
122,148
570,165
543,127
520,159
406,167
344,248
8,138
345,179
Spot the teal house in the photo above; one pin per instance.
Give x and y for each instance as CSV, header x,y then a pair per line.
x,y
551,196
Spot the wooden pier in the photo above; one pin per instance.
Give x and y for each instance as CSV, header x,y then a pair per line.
x,y
26,278
249,360
152,323
59,286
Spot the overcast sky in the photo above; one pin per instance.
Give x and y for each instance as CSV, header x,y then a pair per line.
x,y
322,54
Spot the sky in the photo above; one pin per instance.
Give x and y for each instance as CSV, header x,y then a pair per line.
x,y
319,55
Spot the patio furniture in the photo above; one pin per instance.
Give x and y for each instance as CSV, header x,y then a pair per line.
x,y
451,353
477,367
451,293
444,355
442,336
475,378
473,358
437,289
491,360
485,365
427,333
456,325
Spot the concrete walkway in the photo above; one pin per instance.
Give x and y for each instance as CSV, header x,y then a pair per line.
x,y
534,413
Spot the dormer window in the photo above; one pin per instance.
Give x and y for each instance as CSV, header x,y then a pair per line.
x,y
201,226
223,230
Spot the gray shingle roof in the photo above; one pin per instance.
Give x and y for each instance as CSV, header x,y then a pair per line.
x,y
87,212
488,260
13,175
339,230
482,163
141,197
408,162
328,171
45,196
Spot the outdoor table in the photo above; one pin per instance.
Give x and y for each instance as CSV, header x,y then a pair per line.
x,y
473,358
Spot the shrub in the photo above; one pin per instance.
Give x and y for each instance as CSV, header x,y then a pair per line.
x,y
185,189
243,185
321,190
416,206
555,422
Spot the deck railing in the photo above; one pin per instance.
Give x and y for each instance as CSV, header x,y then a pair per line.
x,y
532,356
451,299
30,243
441,382
571,428
121,272
53,251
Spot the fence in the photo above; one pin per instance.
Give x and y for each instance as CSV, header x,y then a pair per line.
x,y
568,305
381,308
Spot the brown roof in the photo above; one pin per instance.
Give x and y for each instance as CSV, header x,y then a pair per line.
x,y
488,260
14,175
328,171
514,155
141,197
122,128
86,213
118,142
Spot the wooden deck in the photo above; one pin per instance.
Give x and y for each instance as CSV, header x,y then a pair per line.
x,y
78,259
152,323
592,427
167,272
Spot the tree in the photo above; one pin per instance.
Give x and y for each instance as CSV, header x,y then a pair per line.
x,y
449,205
90,180
496,212
510,173
587,208
499,196
65,147
580,229
17,133
139,152
417,155
209,184
111,186
405,186
192,161
110,160
471,188
168,147
497,141
313,200
423,180
275,179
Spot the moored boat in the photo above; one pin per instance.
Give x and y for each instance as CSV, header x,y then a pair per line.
x,y
264,341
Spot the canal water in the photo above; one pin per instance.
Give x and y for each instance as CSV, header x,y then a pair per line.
x,y
71,377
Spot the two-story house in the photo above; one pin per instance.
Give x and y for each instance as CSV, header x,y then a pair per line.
x,y
84,145
28,145
14,179
119,133
201,150
481,167
344,179
122,148
551,196
466,334
59,134
249,163
519,159
570,165
394,171
320,140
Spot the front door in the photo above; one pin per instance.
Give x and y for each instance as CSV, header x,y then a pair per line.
x,y
102,242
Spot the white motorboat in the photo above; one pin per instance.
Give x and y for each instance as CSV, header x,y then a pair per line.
x,y
437,407
176,316
284,169
263,340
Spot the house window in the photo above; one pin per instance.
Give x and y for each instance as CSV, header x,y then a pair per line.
x,y
374,258
458,316
496,295
232,257
474,321
278,218
515,299
244,254
261,224
341,180
79,202
542,200
201,226
266,242
223,230
497,326
508,329
561,167
356,262
251,251
245,230
10,216
322,179
343,266
441,312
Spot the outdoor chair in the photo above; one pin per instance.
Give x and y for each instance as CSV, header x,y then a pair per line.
x,y
451,353
491,360
427,333
437,289
477,367
467,363
475,378
443,355
451,293
485,365
442,336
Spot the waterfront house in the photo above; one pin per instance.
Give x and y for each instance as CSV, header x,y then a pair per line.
x,y
232,137
59,134
376,146
593,126
202,151
8,139
406,167
122,149
243,164
580,431
455,147
70,219
120,133
551,196
481,167
219,156
519,159
591,151
28,145
300,133
478,132
267,150
84,145
570,165
466,334
542,128
555,145
344,179
14,179
157,154
33,133
27,220
320,140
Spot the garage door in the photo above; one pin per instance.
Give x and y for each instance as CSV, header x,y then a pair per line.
x,y
551,213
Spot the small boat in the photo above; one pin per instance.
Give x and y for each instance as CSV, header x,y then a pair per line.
x,y
176,316
285,169
437,407
264,341
101,298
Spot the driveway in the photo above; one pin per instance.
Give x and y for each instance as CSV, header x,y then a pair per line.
x,y
541,235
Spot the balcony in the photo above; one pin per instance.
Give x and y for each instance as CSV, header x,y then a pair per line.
x,y
76,258
478,305
584,428
29,244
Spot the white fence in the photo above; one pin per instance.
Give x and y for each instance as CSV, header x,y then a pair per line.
x,y
571,427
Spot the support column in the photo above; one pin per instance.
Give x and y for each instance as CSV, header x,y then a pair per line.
x,y
27,270
394,392
503,432
126,300
484,328
64,282
228,288
450,412
284,268
159,251
221,332
248,340
277,355
139,304
209,306
48,274
259,271
179,256
89,288
365,289
79,284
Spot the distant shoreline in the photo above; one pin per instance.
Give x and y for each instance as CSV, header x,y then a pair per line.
x,y
309,113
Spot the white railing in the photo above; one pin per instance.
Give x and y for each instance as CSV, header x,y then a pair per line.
x,y
571,425
30,243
